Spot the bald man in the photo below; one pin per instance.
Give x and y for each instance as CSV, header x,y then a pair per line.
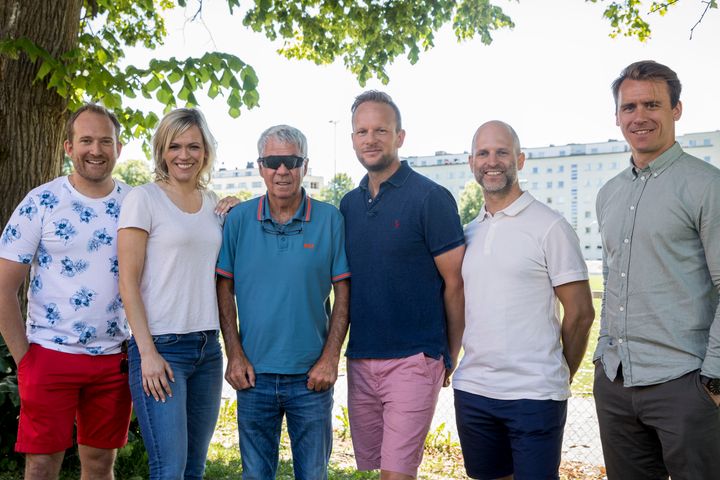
x,y
512,385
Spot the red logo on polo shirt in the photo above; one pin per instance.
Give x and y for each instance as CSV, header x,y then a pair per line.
x,y
396,224
309,245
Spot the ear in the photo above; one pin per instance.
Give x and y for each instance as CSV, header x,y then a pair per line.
x,y
305,167
677,111
401,137
68,146
521,161
120,146
617,119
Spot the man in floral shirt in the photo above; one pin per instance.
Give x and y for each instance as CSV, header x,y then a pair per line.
x,y
69,352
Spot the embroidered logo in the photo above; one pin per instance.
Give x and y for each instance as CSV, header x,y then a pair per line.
x,y
308,245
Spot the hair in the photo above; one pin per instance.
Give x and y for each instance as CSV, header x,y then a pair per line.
x,y
176,123
94,108
649,70
377,97
283,134
515,139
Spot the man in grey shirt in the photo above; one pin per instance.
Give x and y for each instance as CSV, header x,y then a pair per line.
x,y
657,376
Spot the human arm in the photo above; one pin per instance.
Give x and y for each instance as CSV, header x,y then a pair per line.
x,y
224,205
156,372
12,327
239,372
578,317
324,373
449,264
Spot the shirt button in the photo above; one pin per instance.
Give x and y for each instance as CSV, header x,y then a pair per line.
x,y
654,174
620,340
632,207
622,309
627,240
622,274
642,178
369,200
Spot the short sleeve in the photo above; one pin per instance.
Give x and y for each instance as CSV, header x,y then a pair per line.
x,y
441,222
226,258
136,211
21,236
563,256
340,265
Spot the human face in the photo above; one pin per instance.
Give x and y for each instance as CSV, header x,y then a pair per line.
x,y
282,184
375,137
494,161
646,118
185,156
94,149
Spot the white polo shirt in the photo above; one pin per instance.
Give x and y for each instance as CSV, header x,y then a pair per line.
x,y
512,320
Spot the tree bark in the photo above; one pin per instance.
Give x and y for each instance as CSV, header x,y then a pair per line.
x,y
32,118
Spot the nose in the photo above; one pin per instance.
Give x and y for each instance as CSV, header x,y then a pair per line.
x,y
282,169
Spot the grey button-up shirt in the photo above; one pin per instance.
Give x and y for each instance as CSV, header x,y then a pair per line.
x,y
660,229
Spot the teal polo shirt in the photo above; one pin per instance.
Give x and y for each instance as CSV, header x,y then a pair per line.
x,y
283,274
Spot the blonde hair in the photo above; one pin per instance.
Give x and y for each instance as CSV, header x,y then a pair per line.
x,y
176,123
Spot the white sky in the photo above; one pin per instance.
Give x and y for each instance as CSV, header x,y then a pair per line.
x,y
549,77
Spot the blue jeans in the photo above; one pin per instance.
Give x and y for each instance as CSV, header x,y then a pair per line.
x,y
309,423
177,433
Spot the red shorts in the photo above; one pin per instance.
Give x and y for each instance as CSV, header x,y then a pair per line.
x,y
57,389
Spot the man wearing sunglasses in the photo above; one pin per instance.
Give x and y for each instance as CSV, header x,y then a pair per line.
x,y
280,256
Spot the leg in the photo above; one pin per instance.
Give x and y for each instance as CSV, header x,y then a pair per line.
x,y
483,437
690,436
42,466
259,423
631,449
204,391
365,413
409,389
535,428
309,421
96,463
163,425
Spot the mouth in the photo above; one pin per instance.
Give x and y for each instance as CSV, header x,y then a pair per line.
x,y
184,166
95,161
645,131
493,173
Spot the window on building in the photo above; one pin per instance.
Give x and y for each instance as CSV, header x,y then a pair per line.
x,y
314,185
588,167
706,158
535,170
549,200
600,166
561,168
587,247
243,185
613,165
548,185
588,214
216,186
256,185
549,170
587,230
706,141
561,184
562,153
534,185
230,186
692,143
593,150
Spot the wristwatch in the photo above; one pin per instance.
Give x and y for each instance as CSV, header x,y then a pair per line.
x,y
712,384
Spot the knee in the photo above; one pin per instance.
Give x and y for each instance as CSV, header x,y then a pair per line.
x,y
96,463
42,467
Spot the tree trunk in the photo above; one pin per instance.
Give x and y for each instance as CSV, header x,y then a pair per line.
x,y
32,118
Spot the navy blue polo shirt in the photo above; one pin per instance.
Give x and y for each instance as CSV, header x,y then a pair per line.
x,y
396,298
282,275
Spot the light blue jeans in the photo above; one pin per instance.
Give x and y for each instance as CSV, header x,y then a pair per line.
x,y
309,422
177,433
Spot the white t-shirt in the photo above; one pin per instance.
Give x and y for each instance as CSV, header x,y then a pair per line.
x,y
70,240
512,325
178,279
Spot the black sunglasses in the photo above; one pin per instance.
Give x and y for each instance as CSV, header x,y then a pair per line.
x,y
274,161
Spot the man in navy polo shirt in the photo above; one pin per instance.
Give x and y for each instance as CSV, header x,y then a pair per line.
x,y
281,254
405,246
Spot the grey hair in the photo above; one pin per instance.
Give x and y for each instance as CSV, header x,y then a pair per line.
x,y
283,134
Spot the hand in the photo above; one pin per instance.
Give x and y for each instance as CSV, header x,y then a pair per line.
x,y
322,375
156,376
448,373
225,205
715,398
240,373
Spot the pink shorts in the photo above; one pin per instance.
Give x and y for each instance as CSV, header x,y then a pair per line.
x,y
391,403
57,389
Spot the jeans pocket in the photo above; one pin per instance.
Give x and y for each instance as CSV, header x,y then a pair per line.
x,y
166,339
704,393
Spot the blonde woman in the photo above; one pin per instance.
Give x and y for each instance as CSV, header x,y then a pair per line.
x,y
168,241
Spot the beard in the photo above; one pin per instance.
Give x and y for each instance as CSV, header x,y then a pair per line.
x,y
381,164
497,186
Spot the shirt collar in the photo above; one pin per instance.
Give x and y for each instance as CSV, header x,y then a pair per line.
x,y
396,180
661,163
512,210
302,214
